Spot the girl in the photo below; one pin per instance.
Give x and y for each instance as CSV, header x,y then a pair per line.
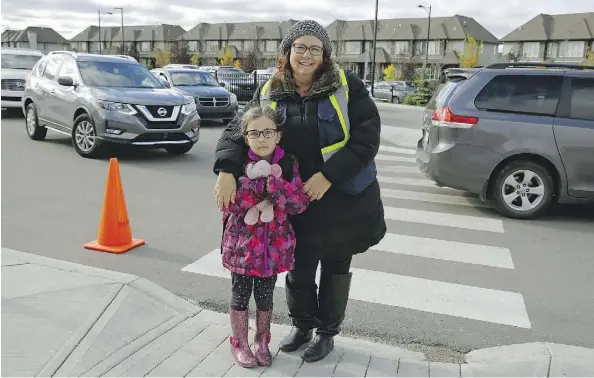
x,y
258,240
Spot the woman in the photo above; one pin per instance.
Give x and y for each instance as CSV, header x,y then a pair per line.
x,y
346,215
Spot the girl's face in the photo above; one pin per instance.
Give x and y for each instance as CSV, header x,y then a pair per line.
x,y
262,136
306,55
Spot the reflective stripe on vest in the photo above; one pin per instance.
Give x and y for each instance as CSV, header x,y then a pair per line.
x,y
340,103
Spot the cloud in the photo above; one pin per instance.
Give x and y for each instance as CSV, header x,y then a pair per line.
x,y
70,17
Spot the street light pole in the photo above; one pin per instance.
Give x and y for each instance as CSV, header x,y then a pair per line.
x,y
428,32
374,42
122,17
99,18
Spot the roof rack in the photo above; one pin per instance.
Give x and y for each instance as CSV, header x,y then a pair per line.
x,y
543,65
71,53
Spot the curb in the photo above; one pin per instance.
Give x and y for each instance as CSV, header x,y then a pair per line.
x,y
402,106
529,359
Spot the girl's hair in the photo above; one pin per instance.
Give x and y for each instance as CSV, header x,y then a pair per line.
x,y
256,112
283,64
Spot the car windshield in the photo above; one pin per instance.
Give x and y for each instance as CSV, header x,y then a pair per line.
x,y
19,62
190,79
117,75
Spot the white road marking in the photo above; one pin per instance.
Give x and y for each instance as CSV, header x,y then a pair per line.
x,y
406,181
434,198
401,159
398,150
444,219
494,306
446,250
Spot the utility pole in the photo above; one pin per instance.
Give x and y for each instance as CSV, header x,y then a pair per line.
x,y
122,17
99,19
374,42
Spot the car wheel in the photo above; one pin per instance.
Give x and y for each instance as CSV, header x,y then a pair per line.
x,y
395,100
179,149
84,137
523,190
34,131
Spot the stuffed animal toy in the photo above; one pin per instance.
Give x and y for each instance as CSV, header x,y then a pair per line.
x,y
263,210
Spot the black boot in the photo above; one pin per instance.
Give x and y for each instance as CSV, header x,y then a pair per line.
x,y
334,296
303,306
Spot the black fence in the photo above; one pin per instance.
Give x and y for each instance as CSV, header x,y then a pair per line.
x,y
242,85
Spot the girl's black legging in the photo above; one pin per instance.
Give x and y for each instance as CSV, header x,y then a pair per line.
x,y
241,292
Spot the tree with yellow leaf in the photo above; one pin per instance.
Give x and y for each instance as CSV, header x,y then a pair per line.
x,y
470,56
195,60
163,58
390,73
227,58
590,57
237,64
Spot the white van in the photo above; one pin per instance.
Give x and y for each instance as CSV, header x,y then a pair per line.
x,y
16,66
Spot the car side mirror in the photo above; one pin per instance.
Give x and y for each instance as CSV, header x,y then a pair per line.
x,y
222,84
165,82
66,81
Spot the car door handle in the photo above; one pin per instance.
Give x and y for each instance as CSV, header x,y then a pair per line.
x,y
53,91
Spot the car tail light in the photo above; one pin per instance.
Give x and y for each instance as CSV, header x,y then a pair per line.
x,y
444,117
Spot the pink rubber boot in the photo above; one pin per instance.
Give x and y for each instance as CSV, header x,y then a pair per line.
x,y
262,338
239,339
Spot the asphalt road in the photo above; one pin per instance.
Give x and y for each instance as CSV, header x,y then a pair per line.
x,y
512,282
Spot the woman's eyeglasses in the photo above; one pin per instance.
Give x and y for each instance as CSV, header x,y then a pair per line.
x,y
255,134
313,50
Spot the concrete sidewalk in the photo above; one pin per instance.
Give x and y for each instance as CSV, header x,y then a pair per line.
x,y
65,319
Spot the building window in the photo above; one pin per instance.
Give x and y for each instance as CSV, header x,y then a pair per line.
x,y
434,47
457,46
247,46
574,49
271,46
353,47
531,49
145,46
212,46
401,47
193,45
386,45
552,49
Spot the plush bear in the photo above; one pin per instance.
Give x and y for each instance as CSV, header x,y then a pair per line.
x,y
263,210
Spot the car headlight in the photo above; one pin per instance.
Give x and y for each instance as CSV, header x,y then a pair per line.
x,y
233,98
117,107
189,107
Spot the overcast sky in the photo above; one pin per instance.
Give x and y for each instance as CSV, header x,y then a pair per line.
x,y
69,17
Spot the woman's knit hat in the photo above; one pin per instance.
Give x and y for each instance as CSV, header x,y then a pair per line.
x,y
302,28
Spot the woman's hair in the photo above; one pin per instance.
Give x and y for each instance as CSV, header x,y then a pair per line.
x,y
283,64
256,112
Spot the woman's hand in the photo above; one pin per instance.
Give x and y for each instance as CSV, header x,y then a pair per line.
x,y
316,186
225,189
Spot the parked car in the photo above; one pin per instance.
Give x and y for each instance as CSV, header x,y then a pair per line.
x,y
16,66
393,91
236,81
213,101
521,135
100,99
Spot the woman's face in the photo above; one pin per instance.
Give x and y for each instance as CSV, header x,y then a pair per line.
x,y
306,55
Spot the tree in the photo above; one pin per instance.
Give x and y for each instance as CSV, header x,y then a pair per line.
x,y
470,56
590,57
180,52
163,58
251,61
237,63
390,73
227,58
407,68
195,59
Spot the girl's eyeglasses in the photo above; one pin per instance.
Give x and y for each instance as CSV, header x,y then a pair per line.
x,y
255,134
313,50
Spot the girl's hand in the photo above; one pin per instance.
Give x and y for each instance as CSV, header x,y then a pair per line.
x,y
225,189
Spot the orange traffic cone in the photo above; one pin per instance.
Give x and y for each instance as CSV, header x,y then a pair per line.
x,y
115,235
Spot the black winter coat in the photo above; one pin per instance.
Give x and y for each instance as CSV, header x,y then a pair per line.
x,y
339,224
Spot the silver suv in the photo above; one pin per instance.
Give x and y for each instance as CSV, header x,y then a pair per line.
x,y
100,99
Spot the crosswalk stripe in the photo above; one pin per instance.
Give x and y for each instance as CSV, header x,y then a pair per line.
x,y
406,181
444,219
434,198
489,305
397,150
446,250
400,169
401,159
